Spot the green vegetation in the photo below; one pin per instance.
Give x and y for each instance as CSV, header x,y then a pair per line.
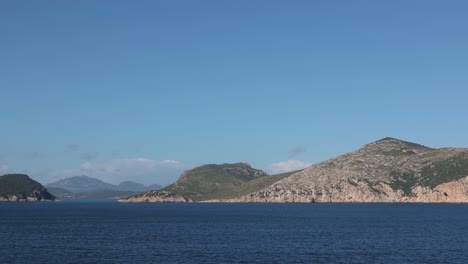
x,y
404,181
204,181
250,186
445,171
371,186
98,194
13,184
352,182
406,143
396,152
58,192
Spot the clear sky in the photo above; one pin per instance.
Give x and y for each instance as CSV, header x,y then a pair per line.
x,y
142,90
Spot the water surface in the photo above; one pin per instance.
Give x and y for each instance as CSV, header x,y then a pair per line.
x,y
111,232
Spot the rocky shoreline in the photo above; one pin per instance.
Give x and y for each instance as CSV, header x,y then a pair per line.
x,y
360,192
35,196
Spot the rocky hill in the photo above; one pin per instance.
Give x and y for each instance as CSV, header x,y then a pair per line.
x,y
201,182
205,182
388,170
19,187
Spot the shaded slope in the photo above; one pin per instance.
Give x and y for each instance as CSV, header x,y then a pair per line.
x,y
19,187
204,181
250,186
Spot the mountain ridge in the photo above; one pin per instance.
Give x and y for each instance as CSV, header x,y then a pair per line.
x,y
83,183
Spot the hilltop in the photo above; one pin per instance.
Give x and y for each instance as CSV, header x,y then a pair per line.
x,y
19,187
209,181
388,170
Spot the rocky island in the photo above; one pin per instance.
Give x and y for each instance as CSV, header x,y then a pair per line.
x,y
388,170
19,187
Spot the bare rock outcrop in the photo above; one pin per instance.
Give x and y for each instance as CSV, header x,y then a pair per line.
x,y
362,192
156,197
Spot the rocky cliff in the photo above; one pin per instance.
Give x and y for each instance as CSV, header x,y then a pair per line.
x,y
388,170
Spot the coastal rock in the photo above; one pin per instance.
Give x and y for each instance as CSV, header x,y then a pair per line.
x,y
36,195
362,192
156,197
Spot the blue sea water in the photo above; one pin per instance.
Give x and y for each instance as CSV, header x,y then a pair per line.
x,y
111,232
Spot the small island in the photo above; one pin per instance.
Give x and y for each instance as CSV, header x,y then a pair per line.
x,y
21,188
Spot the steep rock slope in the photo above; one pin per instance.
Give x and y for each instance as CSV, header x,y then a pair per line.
x,y
388,170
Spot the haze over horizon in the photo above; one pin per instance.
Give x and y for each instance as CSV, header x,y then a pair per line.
x,y
119,90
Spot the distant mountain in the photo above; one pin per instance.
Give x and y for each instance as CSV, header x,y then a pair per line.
x,y
82,183
19,187
58,192
154,187
97,194
87,187
136,187
79,184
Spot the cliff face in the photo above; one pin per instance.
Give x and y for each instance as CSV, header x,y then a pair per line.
x,y
40,194
361,191
388,170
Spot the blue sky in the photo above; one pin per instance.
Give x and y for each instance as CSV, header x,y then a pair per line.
x,y
144,90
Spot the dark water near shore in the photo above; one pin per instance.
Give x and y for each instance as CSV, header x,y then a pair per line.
x,y
110,232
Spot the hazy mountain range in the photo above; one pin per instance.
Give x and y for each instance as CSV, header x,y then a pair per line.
x,y
87,187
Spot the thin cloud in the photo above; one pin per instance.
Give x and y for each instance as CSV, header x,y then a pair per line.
x,y
72,148
141,170
286,166
4,168
88,156
33,155
296,151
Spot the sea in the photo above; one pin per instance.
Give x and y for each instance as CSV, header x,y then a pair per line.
x,y
105,231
